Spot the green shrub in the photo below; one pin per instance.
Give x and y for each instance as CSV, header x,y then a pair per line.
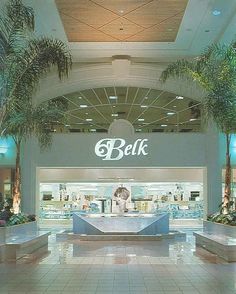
x,y
227,219
17,219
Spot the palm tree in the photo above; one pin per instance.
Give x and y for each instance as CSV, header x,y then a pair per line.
x,y
24,60
215,71
26,120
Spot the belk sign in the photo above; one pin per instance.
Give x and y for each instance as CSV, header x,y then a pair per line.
x,y
116,148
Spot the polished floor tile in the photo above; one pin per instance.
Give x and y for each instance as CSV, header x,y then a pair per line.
x,y
83,267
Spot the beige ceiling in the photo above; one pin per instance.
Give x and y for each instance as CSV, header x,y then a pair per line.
x,y
148,110
121,20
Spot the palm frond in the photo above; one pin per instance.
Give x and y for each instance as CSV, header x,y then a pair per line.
x,y
21,16
26,67
26,120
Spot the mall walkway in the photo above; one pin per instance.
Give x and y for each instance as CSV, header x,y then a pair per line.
x,y
120,267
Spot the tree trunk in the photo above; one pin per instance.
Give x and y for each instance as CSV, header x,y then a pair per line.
x,y
227,190
17,182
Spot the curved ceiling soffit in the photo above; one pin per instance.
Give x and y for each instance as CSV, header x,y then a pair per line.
x,y
95,76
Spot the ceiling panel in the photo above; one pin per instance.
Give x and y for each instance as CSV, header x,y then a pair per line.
x,y
110,21
149,110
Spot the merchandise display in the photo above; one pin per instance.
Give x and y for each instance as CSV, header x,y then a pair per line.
x,y
181,201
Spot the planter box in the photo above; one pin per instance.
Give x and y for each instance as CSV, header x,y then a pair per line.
x,y
219,239
17,230
219,229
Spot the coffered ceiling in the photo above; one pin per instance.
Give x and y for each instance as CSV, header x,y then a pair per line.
x,y
150,31
121,20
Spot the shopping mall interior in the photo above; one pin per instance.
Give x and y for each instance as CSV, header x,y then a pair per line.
x,y
132,148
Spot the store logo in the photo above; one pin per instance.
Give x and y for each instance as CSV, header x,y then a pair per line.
x,y
116,149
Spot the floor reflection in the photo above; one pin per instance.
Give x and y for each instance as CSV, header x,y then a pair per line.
x,y
125,267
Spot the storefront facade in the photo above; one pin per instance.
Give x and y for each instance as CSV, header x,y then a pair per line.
x,y
145,162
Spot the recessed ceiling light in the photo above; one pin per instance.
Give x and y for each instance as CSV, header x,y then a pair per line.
x,y
93,130
146,97
163,125
121,11
216,12
174,106
89,119
140,119
83,106
192,119
113,106
113,97
114,114
144,106
54,130
179,97
79,97
170,113
67,125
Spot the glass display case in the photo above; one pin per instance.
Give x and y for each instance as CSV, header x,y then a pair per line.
x,y
60,201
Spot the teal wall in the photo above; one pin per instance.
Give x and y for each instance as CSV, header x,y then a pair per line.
x,y
7,159
232,149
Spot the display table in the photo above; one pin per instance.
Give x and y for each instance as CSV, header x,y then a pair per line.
x,y
126,224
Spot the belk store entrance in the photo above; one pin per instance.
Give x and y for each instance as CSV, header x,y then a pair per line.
x,y
178,191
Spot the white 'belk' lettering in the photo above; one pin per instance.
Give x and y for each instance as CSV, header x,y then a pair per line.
x,y
116,149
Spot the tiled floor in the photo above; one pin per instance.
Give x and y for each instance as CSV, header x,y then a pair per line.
x,y
122,267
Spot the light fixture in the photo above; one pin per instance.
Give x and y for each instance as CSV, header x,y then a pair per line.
x,y
216,12
146,97
114,106
114,114
174,106
138,130
83,106
113,97
67,125
143,106
170,113
140,119
192,119
93,130
89,119
79,97
163,125
179,97
88,189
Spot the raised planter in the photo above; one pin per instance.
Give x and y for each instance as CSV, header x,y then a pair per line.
x,y
217,229
219,239
17,230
